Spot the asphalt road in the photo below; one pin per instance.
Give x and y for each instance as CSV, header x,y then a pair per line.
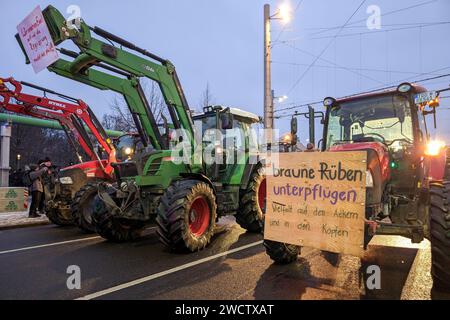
x,y
34,261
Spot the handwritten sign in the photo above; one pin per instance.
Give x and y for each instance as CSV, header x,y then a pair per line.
x,y
318,200
37,41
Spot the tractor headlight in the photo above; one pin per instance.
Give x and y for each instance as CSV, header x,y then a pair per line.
x,y
128,151
66,180
369,179
434,147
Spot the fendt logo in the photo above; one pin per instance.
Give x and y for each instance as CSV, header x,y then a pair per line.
x,y
56,104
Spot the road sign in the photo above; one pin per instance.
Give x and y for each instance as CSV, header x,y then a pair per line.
x,y
318,200
37,41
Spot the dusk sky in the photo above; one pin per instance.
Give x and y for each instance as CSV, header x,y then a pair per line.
x,y
220,42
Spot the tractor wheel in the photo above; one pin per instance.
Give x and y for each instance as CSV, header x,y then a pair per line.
x,y
252,203
281,253
187,215
112,228
57,217
83,206
440,235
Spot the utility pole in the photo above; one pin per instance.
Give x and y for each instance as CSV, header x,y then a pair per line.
x,y
268,100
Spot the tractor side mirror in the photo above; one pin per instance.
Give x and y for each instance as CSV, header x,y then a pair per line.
x,y
226,120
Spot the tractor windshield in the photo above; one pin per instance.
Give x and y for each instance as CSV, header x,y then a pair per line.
x,y
386,119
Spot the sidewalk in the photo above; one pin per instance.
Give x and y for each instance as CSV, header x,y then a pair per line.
x,y
12,220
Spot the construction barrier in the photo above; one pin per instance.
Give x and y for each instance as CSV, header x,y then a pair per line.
x,y
13,200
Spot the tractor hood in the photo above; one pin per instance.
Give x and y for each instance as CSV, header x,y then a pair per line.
x,y
376,151
378,166
92,169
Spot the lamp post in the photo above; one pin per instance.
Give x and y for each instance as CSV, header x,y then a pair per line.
x,y
283,13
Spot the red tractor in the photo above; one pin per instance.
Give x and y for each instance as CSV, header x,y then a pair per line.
x,y
69,194
407,191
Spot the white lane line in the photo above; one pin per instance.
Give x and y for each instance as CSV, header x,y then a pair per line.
x,y
55,244
165,273
48,245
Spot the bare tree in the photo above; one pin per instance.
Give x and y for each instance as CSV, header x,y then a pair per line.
x,y
120,117
207,99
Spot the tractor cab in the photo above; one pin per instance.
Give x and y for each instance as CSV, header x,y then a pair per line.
x,y
389,126
226,135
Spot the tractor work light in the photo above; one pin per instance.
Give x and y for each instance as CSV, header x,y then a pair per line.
x,y
328,102
404,87
434,148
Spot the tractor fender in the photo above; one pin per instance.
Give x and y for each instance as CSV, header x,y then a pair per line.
x,y
249,169
200,177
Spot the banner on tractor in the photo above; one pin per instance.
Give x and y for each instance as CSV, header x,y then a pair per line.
x,y
318,200
37,41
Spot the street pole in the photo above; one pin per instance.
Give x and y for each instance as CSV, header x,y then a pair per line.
x,y
5,137
268,100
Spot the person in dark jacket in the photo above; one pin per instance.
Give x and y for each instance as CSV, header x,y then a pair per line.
x,y
37,188
44,163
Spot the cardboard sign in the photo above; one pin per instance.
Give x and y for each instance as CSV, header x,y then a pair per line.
x,y
37,41
318,200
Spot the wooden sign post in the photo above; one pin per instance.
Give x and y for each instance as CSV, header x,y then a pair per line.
x,y
318,200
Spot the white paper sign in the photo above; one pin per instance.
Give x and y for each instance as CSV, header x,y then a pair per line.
x,y
37,41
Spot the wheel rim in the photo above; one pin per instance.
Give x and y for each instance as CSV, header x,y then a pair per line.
x,y
199,216
262,194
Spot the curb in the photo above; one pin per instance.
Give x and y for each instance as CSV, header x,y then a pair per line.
x,y
25,225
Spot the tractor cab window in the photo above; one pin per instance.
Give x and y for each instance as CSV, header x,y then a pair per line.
x,y
385,119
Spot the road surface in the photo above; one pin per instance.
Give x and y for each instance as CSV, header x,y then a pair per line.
x,y
34,264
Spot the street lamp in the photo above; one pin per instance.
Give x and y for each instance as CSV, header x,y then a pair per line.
x,y
18,157
284,14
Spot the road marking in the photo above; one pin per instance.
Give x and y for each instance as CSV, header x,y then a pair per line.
x,y
165,273
55,244
49,245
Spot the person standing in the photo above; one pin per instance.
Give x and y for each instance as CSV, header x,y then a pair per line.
x,y
37,188
48,164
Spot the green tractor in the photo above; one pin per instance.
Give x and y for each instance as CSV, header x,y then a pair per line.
x,y
185,198
407,186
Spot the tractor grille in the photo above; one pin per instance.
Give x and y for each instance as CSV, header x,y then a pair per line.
x,y
154,166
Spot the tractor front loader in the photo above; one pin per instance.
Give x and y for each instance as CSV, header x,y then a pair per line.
x,y
69,196
185,198
407,187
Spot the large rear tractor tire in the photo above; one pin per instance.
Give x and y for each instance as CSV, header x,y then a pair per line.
x,y
440,235
187,215
83,206
57,217
112,228
252,203
281,253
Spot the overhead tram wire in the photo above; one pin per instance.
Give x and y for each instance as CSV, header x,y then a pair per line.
x,y
380,31
325,49
335,64
384,15
348,68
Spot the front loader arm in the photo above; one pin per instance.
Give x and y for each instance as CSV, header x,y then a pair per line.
x,y
73,117
94,52
125,87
